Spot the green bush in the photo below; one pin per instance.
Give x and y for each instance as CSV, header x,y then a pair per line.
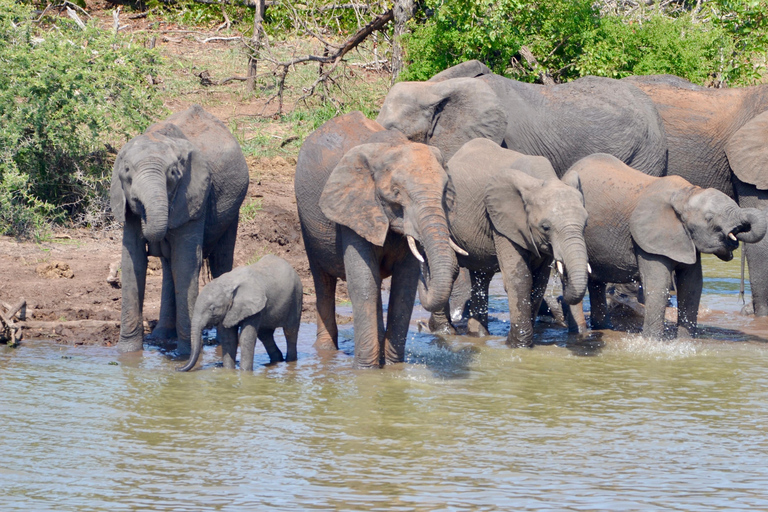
x,y
69,97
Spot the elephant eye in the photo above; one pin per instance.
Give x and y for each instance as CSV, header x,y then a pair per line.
x,y
546,226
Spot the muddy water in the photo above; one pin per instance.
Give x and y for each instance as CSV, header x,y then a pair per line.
x,y
616,423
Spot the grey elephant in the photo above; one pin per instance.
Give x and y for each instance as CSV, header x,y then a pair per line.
x,y
256,299
510,212
563,122
178,188
719,138
370,204
645,229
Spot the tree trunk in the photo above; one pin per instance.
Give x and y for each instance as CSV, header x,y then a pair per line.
x,y
258,20
403,11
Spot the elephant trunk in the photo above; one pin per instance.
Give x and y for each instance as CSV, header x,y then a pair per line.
x,y
441,267
573,251
149,189
199,322
755,223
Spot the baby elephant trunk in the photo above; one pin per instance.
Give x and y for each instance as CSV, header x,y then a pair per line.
x,y
754,225
196,339
573,251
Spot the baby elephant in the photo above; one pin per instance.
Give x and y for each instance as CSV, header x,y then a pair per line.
x,y
645,229
256,299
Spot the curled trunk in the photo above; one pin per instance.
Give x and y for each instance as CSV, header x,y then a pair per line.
x,y
755,219
150,192
441,267
196,340
573,251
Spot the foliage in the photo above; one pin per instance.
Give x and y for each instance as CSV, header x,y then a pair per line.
x,y
702,41
68,97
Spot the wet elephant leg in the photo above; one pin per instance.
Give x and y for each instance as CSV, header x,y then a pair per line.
x,y
166,323
362,267
689,280
477,324
291,339
599,316
656,274
405,278
267,337
757,256
325,291
134,278
539,287
518,283
228,343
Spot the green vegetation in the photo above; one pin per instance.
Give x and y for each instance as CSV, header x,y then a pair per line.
x,y
710,40
68,97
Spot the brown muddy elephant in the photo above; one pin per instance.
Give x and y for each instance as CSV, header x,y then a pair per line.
x,y
370,204
177,188
719,138
645,229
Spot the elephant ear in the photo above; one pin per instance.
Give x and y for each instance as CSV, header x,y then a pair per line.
x,y
747,152
656,226
349,197
248,299
116,193
572,179
505,204
188,201
470,68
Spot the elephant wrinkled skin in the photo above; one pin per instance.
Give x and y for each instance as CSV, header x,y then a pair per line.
x,y
256,299
510,212
178,188
643,228
364,195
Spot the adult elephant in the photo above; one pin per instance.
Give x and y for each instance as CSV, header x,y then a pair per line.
x,y
563,122
367,199
177,188
719,138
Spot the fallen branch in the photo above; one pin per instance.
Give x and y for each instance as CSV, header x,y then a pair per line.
x,y
50,325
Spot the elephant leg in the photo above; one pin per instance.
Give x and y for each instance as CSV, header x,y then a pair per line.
x,y
689,280
267,337
291,339
656,276
166,324
221,258
134,278
757,255
518,283
186,260
599,316
325,290
539,287
362,267
405,279
477,324
228,343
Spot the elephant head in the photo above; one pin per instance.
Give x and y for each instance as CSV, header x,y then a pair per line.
x,y
445,114
162,178
675,219
228,300
747,152
545,217
391,184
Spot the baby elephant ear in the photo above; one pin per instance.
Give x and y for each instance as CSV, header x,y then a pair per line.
x,y
656,227
505,204
747,152
349,197
248,299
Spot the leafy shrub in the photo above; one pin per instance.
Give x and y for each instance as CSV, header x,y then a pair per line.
x,y
68,98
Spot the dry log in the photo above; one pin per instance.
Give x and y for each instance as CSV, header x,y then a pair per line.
x,y
41,324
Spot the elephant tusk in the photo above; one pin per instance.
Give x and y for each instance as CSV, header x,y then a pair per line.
x,y
732,237
456,248
414,250
560,267
589,269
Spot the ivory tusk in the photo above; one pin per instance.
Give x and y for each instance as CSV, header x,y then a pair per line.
x,y
456,248
732,237
560,267
414,250
589,269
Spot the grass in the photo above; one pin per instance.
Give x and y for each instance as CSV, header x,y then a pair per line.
x,y
250,210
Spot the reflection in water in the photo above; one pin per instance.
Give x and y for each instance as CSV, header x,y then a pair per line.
x,y
609,422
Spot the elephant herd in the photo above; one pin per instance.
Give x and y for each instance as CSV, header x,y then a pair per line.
x,y
603,180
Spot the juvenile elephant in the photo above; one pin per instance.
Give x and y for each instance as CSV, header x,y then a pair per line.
x,y
370,204
510,212
256,299
562,122
178,188
645,228
719,138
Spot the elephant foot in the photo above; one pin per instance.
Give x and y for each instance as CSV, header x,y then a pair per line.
x,y
437,327
475,328
162,333
276,358
601,324
134,345
325,344
291,356
513,342
183,347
